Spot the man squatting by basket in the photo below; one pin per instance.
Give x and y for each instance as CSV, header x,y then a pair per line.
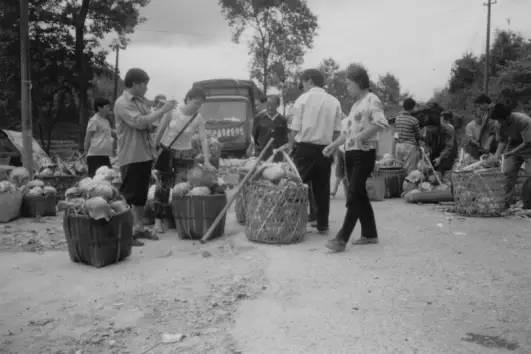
x,y
514,135
134,128
316,123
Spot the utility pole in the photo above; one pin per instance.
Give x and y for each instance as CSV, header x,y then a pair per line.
x,y
487,48
116,46
25,87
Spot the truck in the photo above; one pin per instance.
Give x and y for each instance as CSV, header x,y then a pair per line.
x,y
229,111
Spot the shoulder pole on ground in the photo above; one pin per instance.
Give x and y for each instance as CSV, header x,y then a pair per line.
x,y
210,230
25,87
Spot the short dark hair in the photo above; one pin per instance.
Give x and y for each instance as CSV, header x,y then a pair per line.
x,y
195,92
100,102
276,98
314,75
447,115
358,74
482,99
500,111
135,76
409,104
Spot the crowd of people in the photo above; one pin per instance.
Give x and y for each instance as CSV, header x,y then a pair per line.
x,y
158,135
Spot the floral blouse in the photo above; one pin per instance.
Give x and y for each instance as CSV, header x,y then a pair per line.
x,y
364,113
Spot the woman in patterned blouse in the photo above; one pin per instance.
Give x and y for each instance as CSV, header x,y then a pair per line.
x,y
360,139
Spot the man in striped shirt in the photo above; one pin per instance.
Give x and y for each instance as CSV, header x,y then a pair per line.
x,y
407,135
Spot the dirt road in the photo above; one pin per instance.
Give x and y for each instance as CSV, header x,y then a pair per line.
x,y
436,284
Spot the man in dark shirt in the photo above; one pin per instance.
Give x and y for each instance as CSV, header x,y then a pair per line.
x,y
270,124
446,158
514,135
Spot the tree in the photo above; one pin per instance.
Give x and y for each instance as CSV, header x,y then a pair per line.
x,y
281,32
389,89
65,53
466,71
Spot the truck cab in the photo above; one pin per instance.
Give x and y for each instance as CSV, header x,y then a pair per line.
x,y
229,112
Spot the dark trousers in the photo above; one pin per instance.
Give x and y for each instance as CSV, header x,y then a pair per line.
x,y
95,162
360,165
315,170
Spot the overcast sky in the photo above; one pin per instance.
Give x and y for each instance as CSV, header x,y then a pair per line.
x,y
184,41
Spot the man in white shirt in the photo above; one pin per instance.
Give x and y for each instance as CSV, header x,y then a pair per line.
x,y
316,123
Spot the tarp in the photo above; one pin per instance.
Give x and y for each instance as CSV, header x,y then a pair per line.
x,y
40,158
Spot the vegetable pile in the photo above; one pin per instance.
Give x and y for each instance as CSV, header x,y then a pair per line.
x,y
95,197
276,173
37,188
423,179
62,168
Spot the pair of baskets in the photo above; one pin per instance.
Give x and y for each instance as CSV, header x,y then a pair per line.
x,y
276,214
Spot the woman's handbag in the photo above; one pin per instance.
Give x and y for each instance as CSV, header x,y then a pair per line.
x,y
163,162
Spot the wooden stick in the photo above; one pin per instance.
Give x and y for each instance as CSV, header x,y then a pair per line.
x,y
220,216
425,157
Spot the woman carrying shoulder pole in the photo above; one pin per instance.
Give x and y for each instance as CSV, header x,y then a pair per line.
x,y
360,139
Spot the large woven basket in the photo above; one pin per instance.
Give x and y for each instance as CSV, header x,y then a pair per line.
x,y
277,214
99,242
479,193
195,214
11,203
394,178
37,206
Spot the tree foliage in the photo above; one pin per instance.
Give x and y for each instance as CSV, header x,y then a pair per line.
x,y
65,53
281,32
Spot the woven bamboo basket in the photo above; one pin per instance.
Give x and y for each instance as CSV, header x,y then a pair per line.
x,y
277,214
98,242
11,203
240,203
37,206
394,178
479,193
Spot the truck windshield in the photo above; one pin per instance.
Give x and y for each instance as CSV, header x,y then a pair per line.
x,y
232,111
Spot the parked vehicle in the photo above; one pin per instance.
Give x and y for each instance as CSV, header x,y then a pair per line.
x,y
229,111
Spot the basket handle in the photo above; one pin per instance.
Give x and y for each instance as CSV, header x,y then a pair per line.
x,y
292,165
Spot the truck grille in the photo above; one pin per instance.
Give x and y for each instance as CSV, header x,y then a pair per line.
x,y
227,132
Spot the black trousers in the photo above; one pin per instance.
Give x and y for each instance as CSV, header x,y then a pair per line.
x,y
95,162
315,170
360,165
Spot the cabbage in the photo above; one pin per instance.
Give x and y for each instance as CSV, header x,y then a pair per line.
x,y
35,183
105,173
73,192
198,191
35,191
19,176
85,185
102,189
49,190
98,208
199,176
273,173
7,187
119,206
181,189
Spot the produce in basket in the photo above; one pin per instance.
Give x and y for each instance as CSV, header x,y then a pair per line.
x,y
19,176
35,183
274,172
425,187
199,191
105,173
73,192
102,189
7,187
199,176
98,208
181,189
